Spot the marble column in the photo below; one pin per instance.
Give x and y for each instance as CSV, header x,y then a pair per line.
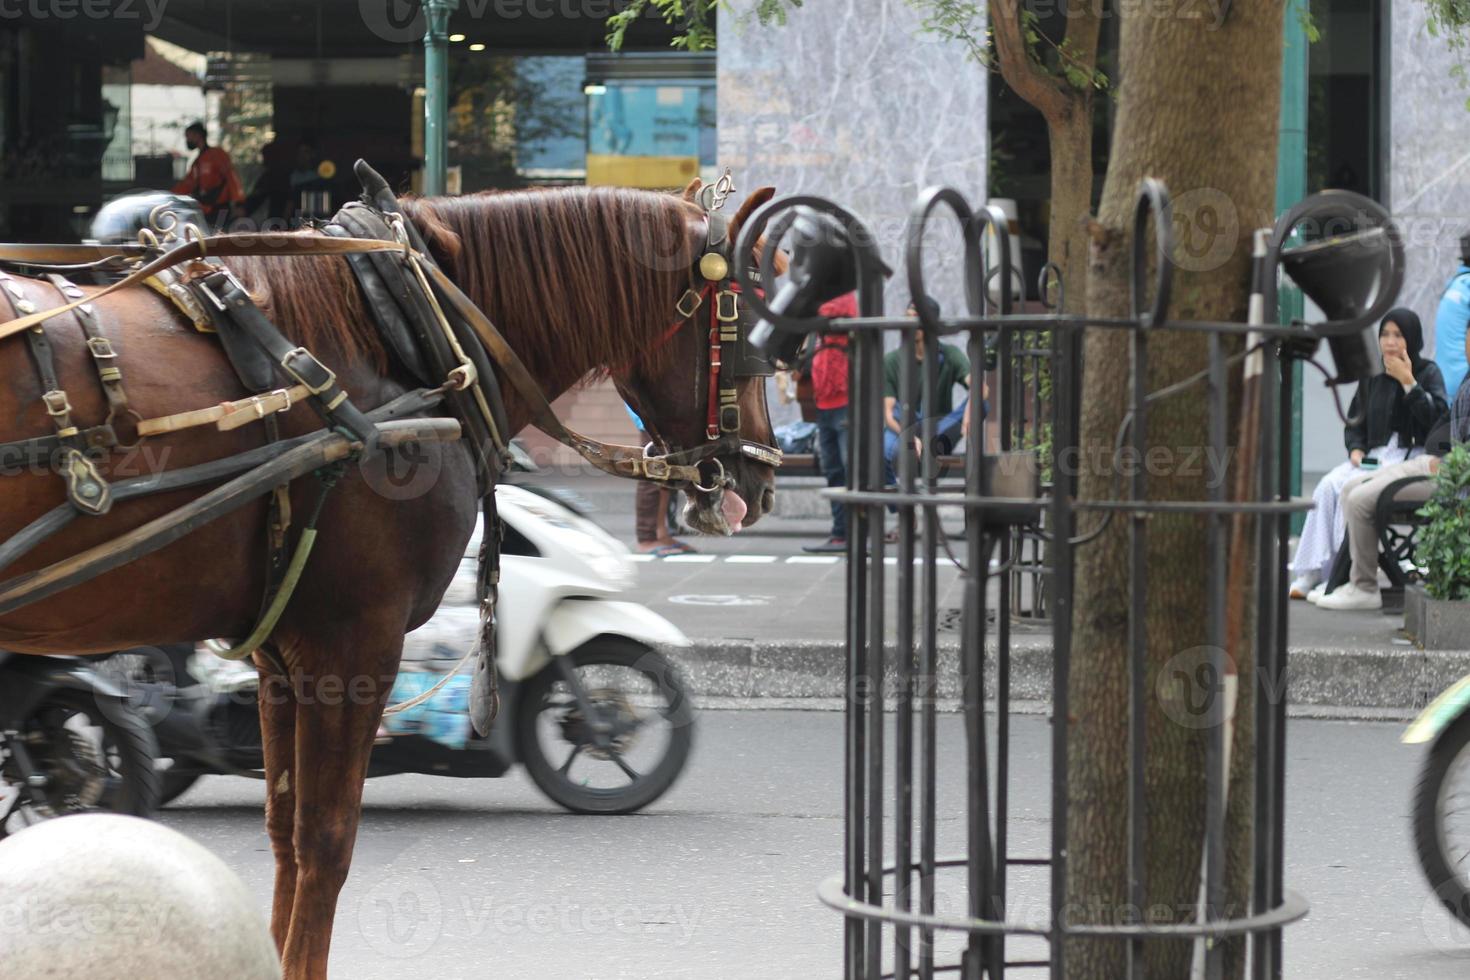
x,y
1428,156
851,100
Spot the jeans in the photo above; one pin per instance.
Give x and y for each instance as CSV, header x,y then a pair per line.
x,y
947,434
832,451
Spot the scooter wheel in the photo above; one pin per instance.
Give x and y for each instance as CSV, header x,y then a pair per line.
x,y
647,722
1441,826
95,757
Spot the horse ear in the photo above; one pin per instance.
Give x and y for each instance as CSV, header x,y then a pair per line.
x,y
691,190
754,201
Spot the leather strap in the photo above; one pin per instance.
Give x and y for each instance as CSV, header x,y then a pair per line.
x,y
228,416
297,363
104,357
321,449
254,243
624,461
86,489
409,404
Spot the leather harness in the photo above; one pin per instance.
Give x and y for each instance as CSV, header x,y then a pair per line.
x,y
429,324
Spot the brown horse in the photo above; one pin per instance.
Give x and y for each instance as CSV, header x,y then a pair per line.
x,y
580,281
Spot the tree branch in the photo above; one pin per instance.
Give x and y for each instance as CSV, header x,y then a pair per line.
x,y
1032,82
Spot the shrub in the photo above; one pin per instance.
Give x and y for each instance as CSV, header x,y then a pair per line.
x,y
1444,544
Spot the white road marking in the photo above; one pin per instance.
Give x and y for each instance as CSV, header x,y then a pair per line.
x,y
692,559
813,560
750,559
638,557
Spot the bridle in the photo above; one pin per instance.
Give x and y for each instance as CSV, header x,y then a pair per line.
x,y
731,356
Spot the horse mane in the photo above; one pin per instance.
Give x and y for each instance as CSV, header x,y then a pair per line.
x,y
572,277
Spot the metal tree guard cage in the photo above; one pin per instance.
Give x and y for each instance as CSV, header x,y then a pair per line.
x,y
889,904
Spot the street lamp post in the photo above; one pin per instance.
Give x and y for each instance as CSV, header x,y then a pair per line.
x,y
436,93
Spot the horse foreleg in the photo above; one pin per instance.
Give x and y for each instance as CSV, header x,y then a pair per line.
x,y
335,727
278,736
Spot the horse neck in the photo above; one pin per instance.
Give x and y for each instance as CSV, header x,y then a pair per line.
x,y
556,366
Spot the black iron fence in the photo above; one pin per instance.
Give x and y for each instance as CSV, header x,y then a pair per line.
x,y
1019,501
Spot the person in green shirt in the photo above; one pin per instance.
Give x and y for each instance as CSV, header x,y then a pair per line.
x,y
952,423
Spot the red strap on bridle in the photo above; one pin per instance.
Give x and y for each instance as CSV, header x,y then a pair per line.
x,y
712,420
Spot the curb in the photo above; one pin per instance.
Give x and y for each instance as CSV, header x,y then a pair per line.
x,y
1321,681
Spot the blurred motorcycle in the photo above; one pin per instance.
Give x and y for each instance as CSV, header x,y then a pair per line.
x,y
1442,797
70,742
593,709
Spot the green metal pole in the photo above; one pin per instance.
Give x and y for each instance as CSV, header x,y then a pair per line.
x,y
1291,187
436,93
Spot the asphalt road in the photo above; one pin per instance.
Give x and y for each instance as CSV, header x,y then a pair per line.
x,y
478,879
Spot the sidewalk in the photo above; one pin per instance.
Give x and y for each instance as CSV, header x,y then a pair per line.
x,y
767,624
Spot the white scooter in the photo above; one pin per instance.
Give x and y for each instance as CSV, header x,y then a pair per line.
x,y
600,717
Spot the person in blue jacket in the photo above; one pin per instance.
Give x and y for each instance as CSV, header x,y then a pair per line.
x,y
1450,320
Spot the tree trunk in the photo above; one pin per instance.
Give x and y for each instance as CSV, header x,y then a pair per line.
x,y
1070,134
1067,110
1197,109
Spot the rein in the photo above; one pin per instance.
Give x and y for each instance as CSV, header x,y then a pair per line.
x,y
623,461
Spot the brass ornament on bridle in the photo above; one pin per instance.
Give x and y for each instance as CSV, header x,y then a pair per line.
x,y
714,267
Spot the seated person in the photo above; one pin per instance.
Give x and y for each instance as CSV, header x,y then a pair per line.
x,y
1398,410
1360,503
951,424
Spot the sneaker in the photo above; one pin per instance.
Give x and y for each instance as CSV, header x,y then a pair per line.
x,y
1350,596
830,546
1317,593
1302,585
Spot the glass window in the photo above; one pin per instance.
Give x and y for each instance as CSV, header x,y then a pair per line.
x,y
1342,98
649,133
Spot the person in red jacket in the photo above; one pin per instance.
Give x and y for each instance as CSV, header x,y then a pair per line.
x,y
211,179
829,390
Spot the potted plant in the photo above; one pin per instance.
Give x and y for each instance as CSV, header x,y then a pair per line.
x,y
1438,615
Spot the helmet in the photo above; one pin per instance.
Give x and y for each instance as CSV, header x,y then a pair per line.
x,y
120,220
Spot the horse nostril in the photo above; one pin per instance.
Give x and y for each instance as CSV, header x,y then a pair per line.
x,y
768,500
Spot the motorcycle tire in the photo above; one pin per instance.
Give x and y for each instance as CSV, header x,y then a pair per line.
x,y
134,784
176,782
1451,887
555,779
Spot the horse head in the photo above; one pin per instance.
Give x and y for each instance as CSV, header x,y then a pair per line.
x,y
733,442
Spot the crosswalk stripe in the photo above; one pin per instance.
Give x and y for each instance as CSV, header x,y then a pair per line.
x,y
692,559
813,560
750,559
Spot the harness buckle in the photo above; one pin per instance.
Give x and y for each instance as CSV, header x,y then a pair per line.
x,y
326,377
101,348
207,290
692,300
58,406
730,297
656,468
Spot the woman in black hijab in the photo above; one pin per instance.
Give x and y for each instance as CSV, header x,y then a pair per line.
x,y
1394,413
